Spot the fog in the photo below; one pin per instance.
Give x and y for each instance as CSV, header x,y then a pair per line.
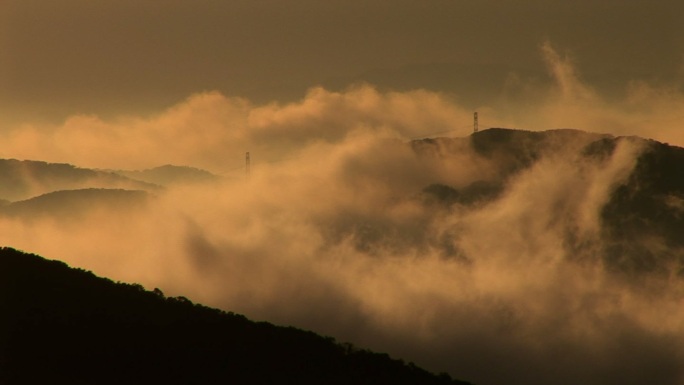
x,y
332,231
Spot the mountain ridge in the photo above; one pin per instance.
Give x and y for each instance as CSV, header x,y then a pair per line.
x,y
24,179
169,175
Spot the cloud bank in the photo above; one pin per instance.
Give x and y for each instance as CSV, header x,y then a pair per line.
x,y
212,131
334,230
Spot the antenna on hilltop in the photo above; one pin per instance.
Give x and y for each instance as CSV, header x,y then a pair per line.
x,y
475,124
247,164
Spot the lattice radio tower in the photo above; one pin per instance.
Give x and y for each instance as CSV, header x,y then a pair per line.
x,y
475,124
247,164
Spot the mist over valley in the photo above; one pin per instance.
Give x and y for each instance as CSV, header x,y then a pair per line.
x,y
504,249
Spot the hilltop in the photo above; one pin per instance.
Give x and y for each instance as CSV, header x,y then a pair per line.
x,y
645,209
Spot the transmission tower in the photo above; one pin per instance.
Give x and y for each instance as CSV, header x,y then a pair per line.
x,y
247,164
475,124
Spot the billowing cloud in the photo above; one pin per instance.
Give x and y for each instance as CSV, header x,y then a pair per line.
x,y
643,109
340,240
335,229
213,131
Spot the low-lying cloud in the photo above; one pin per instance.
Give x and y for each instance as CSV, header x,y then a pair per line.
x,y
212,131
333,230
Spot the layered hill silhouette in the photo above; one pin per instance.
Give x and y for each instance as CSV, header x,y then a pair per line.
x,y
24,179
60,325
32,189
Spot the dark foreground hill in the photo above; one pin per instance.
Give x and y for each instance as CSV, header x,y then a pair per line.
x,y
60,325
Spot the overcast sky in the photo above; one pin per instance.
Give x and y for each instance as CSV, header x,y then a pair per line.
x,y
112,57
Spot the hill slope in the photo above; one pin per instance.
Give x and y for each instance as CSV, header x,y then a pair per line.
x,y
73,204
23,179
61,325
641,223
169,175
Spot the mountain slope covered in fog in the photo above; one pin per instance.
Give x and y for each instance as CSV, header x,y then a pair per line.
x,y
23,179
31,188
641,222
61,325
504,257
65,205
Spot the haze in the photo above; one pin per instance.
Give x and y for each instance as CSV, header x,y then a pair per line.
x,y
116,57
331,232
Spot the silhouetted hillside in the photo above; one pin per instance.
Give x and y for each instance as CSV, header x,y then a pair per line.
x,y
169,175
23,179
512,150
506,151
73,203
645,217
65,326
642,224
473,193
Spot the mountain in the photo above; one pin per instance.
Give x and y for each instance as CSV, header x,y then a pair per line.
x,y
23,179
509,150
66,204
169,175
30,189
644,219
62,325
641,223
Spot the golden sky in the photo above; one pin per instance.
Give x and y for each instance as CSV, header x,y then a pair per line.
x,y
113,57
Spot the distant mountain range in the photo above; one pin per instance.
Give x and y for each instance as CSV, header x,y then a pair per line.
x,y
32,189
24,179
60,325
